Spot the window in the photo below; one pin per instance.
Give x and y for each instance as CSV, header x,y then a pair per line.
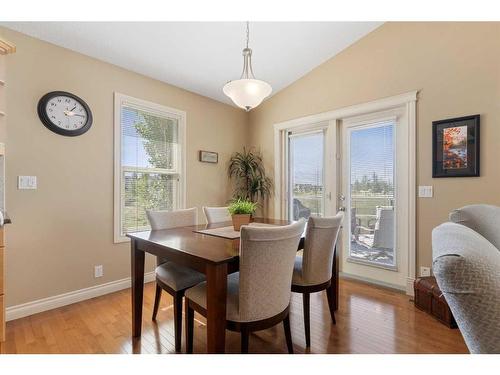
x,y
305,162
149,162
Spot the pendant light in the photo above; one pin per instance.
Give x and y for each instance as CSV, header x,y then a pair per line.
x,y
247,92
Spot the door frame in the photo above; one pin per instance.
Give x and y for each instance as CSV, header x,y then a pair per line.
x,y
407,102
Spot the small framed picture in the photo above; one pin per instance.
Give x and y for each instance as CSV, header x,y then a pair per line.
x,y
455,147
208,157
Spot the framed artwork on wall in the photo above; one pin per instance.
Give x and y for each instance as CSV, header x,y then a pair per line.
x,y
455,147
208,156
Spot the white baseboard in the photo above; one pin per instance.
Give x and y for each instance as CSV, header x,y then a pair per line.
x,y
372,281
49,303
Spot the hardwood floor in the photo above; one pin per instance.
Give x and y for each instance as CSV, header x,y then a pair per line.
x,y
370,320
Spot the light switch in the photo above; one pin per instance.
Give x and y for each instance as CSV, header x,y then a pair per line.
x,y
26,182
425,192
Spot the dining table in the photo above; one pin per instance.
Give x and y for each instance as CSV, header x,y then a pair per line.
x,y
214,256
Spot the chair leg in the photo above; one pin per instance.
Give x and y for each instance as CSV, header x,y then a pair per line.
x,y
189,326
288,334
157,301
330,295
178,321
305,299
244,340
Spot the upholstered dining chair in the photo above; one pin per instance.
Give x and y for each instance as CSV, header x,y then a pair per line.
x,y
171,277
216,214
313,270
258,296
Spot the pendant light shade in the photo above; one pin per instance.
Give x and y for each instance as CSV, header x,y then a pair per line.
x,y
247,92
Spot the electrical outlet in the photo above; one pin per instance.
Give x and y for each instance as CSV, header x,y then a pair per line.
x,y
98,271
425,271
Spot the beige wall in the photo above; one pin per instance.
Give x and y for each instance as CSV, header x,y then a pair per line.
x,y
65,227
456,67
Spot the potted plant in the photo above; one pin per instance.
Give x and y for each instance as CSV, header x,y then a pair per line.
x,y
241,211
247,172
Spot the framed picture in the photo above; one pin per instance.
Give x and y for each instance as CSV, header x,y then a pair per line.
x,y
208,157
455,147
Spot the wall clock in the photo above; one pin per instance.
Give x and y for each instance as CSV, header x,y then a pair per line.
x,y
64,113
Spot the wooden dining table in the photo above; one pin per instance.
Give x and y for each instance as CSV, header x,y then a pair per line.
x,y
216,257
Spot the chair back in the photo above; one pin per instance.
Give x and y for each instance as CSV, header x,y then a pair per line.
x,y
483,218
319,247
171,219
383,235
267,256
216,214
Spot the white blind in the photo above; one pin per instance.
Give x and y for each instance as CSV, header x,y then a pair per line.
x,y
372,159
150,163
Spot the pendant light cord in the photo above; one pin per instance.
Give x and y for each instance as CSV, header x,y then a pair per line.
x,y
248,33
247,72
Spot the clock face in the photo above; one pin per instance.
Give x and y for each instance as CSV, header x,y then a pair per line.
x,y
64,113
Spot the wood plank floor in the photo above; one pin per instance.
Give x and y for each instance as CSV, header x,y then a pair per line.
x,y
370,320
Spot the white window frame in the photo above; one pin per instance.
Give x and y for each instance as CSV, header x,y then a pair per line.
x,y
119,101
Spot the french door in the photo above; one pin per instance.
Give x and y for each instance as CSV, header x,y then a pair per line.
x,y
373,182
360,160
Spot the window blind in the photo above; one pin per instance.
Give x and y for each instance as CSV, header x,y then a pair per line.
x,y
150,163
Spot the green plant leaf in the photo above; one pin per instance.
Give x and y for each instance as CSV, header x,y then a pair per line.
x,y
242,206
246,170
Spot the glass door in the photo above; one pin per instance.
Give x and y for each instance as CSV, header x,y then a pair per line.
x,y
306,174
374,181
371,194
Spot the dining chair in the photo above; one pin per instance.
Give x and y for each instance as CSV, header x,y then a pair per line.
x,y
313,270
258,296
172,277
216,214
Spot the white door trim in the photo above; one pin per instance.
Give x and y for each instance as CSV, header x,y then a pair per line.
x,y
406,101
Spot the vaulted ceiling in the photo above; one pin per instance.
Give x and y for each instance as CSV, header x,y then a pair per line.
x,y
202,56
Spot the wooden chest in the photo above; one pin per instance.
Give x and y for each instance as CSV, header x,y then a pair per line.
x,y
428,297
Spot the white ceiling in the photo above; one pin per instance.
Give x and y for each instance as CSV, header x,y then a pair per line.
x,y
202,56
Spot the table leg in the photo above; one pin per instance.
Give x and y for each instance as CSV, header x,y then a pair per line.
x,y
137,263
216,307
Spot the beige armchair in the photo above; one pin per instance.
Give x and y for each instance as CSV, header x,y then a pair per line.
x,y
171,277
466,263
258,296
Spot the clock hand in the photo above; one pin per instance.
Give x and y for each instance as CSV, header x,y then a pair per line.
x,y
70,114
71,110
